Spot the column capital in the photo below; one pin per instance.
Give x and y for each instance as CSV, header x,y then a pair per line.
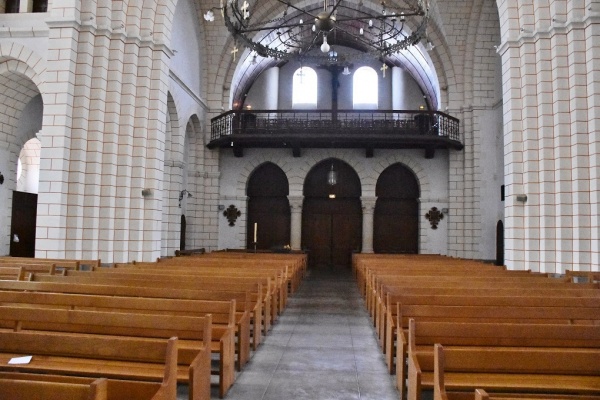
x,y
296,202
368,204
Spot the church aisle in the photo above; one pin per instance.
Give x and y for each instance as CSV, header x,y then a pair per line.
x,y
323,347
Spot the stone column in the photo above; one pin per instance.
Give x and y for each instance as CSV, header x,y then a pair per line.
x,y
271,94
368,207
401,94
296,221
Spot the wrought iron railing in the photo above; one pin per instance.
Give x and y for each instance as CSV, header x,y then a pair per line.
x,y
341,122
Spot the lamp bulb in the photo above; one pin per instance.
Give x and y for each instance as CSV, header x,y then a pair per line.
x,y
325,47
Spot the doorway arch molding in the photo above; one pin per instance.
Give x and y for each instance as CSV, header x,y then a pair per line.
x,y
416,168
296,172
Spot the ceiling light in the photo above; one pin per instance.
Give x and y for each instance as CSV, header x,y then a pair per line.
x,y
284,34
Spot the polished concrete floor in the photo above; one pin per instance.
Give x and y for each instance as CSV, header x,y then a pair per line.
x,y
323,347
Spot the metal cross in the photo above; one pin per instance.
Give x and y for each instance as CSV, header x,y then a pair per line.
x,y
234,51
384,68
245,9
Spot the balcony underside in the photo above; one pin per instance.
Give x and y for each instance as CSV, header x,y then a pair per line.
x,y
296,141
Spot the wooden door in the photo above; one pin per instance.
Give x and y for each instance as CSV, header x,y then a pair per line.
x,y
317,238
23,224
182,233
396,226
500,243
346,235
272,216
396,219
331,216
331,231
268,208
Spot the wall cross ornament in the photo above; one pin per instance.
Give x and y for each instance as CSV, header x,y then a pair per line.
x,y
232,214
434,216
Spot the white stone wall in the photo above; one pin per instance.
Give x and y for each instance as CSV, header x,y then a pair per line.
x,y
122,113
432,175
550,59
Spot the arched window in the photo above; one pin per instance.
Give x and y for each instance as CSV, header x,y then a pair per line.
x,y
365,94
304,91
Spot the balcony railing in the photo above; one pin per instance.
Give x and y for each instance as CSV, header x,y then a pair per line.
x,y
342,128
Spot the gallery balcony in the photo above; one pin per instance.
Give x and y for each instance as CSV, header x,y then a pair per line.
x,y
368,129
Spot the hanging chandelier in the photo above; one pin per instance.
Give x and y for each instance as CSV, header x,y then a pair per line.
x,y
310,33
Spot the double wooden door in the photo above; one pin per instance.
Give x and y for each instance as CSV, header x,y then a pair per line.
x,y
331,231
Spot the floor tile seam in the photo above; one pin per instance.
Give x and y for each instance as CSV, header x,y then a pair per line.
x,y
355,368
277,364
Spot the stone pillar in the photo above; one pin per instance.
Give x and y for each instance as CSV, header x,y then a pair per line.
x,y
368,207
271,97
296,221
400,90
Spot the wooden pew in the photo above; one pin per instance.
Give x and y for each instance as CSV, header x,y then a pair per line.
x,y
294,267
243,300
189,252
504,288
113,357
178,282
58,262
10,272
223,312
296,263
502,294
487,314
422,336
511,298
21,271
263,286
18,389
194,334
481,394
117,389
493,282
276,285
379,303
587,276
542,371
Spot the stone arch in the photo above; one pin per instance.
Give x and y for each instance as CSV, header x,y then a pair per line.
x,y
195,183
417,169
17,58
173,181
245,174
174,137
20,83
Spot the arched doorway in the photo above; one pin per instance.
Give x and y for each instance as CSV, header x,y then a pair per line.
x,y
500,243
182,233
24,201
331,215
268,208
396,220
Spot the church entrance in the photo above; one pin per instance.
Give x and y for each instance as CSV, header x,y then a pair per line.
x,y
23,224
268,209
396,219
331,215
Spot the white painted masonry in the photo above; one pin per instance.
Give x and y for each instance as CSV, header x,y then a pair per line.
x,y
120,94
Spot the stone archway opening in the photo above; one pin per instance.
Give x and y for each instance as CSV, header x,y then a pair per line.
x,y
396,219
331,215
